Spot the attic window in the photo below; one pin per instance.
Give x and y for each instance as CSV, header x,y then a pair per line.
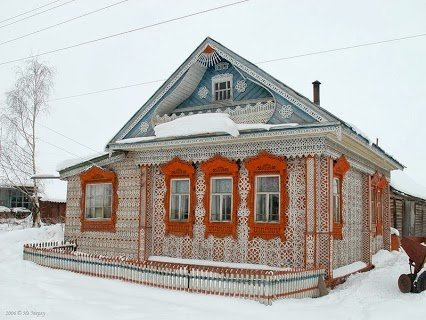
x,y
222,87
222,90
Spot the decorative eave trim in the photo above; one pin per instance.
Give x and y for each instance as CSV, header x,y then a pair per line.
x,y
312,130
253,71
372,147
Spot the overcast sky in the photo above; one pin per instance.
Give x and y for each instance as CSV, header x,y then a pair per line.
x,y
380,89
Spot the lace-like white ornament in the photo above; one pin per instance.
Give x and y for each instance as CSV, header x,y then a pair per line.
x,y
286,111
241,86
203,92
144,127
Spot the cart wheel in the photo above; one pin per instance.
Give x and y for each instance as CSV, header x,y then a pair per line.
x,y
405,283
421,282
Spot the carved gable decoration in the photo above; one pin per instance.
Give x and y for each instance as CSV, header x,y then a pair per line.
x,y
264,164
222,167
177,168
209,54
96,175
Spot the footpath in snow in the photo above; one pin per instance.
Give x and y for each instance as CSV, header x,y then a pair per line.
x,y
29,291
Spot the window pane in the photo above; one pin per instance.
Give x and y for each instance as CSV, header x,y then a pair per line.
x,y
222,185
268,184
274,203
335,186
99,213
107,212
215,208
184,207
174,207
180,186
336,208
261,207
226,208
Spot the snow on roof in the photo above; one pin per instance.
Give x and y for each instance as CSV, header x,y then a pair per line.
x,y
44,176
54,191
197,124
72,162
203,124
404,183
4,209
359,132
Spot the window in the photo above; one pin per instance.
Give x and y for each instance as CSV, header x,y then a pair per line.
x,y
221,199
377,187
179,199
267,198
340,168
98,201
336,200
222,90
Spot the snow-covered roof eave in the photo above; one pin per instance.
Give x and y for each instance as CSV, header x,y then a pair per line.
x,y
146,142
355,134
405,185
73,164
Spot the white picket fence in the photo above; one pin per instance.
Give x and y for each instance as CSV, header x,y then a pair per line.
x,y
264,286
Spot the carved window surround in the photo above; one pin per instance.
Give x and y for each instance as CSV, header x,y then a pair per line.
x,y
267,164
378,183
175,169
92,176
219,166
340,168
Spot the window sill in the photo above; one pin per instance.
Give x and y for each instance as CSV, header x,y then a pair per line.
x,y
267,231
102,225
179,228
221,229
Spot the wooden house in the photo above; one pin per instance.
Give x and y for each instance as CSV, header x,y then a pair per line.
x,y
408,206
226,163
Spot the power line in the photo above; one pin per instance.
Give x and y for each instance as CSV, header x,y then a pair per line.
x,y
63,22
109,89
36,14
71,139
21,14
125,32
259,62
343,48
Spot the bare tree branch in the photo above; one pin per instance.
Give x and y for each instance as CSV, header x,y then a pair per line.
x,y
25,103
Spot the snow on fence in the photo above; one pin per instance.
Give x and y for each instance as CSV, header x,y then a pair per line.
x,y
264,286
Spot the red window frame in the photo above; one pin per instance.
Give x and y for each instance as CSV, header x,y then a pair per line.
x,y
179,169
219,166
267,164
377,185
340,168
96,175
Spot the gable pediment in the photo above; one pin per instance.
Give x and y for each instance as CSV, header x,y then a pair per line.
x,y
190,90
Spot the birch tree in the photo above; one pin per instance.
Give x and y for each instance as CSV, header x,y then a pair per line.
x,y
25,103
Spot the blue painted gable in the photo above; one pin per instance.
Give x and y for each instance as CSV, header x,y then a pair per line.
x,y
189,90
251,91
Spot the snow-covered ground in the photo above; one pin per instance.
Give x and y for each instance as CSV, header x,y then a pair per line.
x,y
55,294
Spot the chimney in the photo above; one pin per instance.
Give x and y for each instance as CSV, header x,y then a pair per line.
x,y
316,84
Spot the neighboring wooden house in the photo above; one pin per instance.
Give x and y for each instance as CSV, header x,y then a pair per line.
x,y
14,198
408,206
226,163
52,210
